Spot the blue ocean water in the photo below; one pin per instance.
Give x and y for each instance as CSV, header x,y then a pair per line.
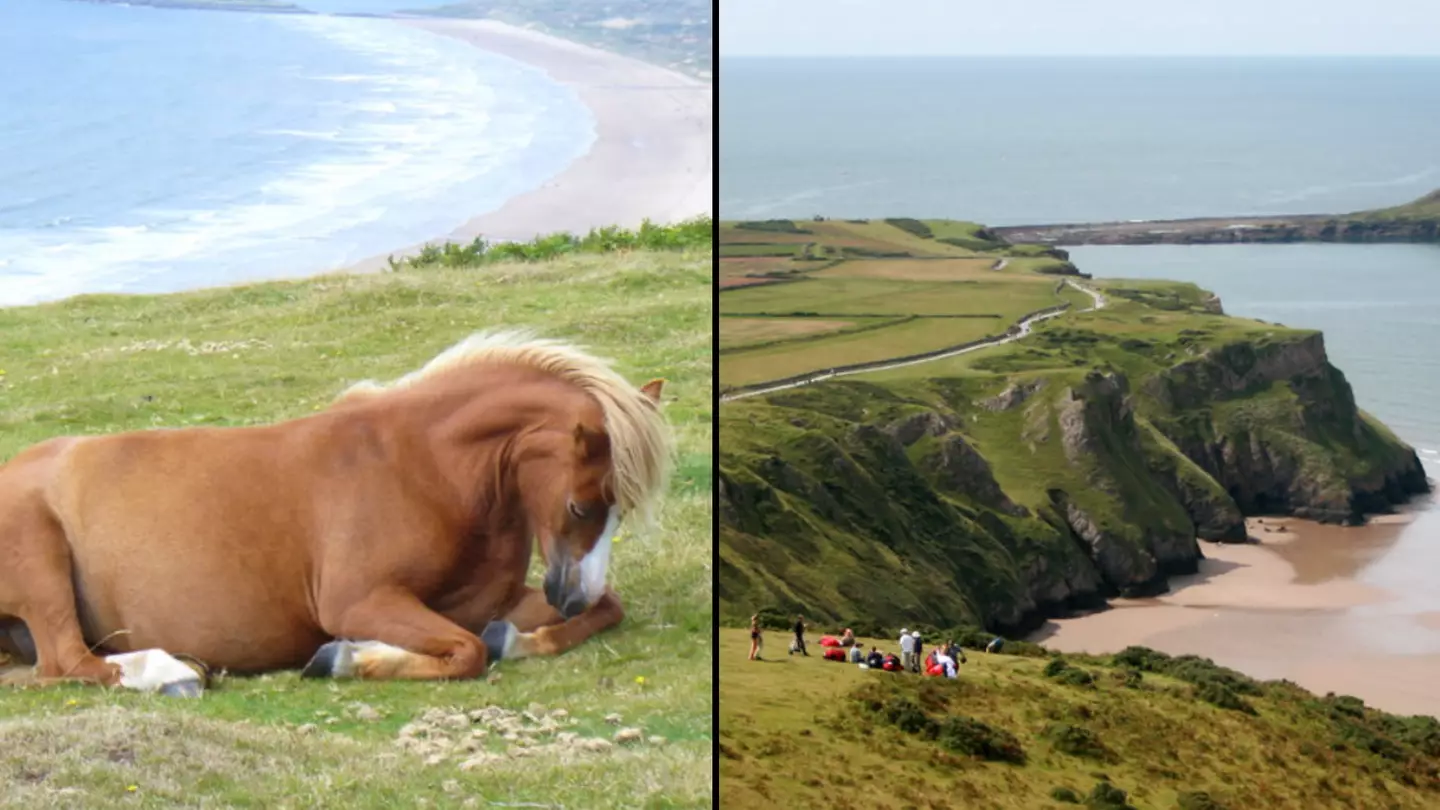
x,y
1018,140
147,150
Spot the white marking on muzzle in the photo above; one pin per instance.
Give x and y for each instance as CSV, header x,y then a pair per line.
x,y
595,566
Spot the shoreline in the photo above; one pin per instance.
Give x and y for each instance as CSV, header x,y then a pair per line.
x,y
1294,606
652,157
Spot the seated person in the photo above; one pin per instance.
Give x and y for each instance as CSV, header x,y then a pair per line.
x,y
995,645
857,654
946,663
847,639
875,660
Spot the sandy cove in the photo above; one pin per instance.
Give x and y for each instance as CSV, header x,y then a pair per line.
x,y
1342,609
653,152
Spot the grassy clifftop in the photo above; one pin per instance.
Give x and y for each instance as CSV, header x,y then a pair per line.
x,y
1136,730
268,352
997,487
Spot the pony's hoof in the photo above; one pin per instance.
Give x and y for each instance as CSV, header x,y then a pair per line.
x,y
499,639
183,689
333,660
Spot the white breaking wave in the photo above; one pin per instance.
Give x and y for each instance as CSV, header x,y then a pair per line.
x,y
427,131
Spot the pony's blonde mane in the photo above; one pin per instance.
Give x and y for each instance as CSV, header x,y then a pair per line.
x,y
640,443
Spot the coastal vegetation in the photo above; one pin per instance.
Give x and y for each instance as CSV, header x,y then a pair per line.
x,y
692,234
1138,729
266,352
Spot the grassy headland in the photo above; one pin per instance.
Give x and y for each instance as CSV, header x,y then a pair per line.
x,y
1416,221
1019,481
256,354
1135,730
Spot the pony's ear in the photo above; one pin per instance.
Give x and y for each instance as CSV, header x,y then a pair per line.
x,y
651,390
590,443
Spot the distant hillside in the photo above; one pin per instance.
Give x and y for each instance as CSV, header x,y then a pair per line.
x,y
1417,221
1425,208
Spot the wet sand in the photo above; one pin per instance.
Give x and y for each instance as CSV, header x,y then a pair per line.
x,y
1351,610
652,155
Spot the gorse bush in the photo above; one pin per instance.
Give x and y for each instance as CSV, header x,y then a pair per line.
x,y
959,734
1065,795
911,226
1077,741
1105,796
1062,672
965,735
692,234
771,225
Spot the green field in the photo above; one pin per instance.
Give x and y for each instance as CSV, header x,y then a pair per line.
x,y
805,732
256,354
887,288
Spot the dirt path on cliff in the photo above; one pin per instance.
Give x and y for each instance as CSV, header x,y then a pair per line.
x,y
1024,324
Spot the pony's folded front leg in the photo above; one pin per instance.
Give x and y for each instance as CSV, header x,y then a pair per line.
x,y
536,628
393,635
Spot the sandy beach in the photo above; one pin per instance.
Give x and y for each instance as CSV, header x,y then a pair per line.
x,y
653,150
1342,609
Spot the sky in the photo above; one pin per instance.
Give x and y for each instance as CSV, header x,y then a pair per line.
x,y
1079,27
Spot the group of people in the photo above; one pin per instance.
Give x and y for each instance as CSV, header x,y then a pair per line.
x,y
942,660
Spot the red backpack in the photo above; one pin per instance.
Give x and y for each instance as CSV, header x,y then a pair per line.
x,y
829,641
892,664
834,653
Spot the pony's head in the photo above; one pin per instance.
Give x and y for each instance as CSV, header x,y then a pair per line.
x,y
588,451
579,482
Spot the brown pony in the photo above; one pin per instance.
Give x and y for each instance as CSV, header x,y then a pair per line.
x,y
387,536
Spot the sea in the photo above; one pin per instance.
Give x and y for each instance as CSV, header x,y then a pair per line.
x,y
150,150
1009,141
1020,140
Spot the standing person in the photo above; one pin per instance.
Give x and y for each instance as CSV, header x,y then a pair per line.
x,y
918,648
907,650
956,652
755,639
799,644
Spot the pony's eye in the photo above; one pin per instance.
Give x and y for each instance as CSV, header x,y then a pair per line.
x,y
576,510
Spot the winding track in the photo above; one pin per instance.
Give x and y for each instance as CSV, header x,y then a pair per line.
x,y
1024,325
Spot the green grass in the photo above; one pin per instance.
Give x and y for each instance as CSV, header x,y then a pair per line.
x,y
782,359
899,268
804,732
249,355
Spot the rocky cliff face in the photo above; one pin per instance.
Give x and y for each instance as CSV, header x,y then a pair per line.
x,y
1002,502
1295,406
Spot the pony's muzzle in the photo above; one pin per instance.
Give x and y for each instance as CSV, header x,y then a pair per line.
x,y
564,590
